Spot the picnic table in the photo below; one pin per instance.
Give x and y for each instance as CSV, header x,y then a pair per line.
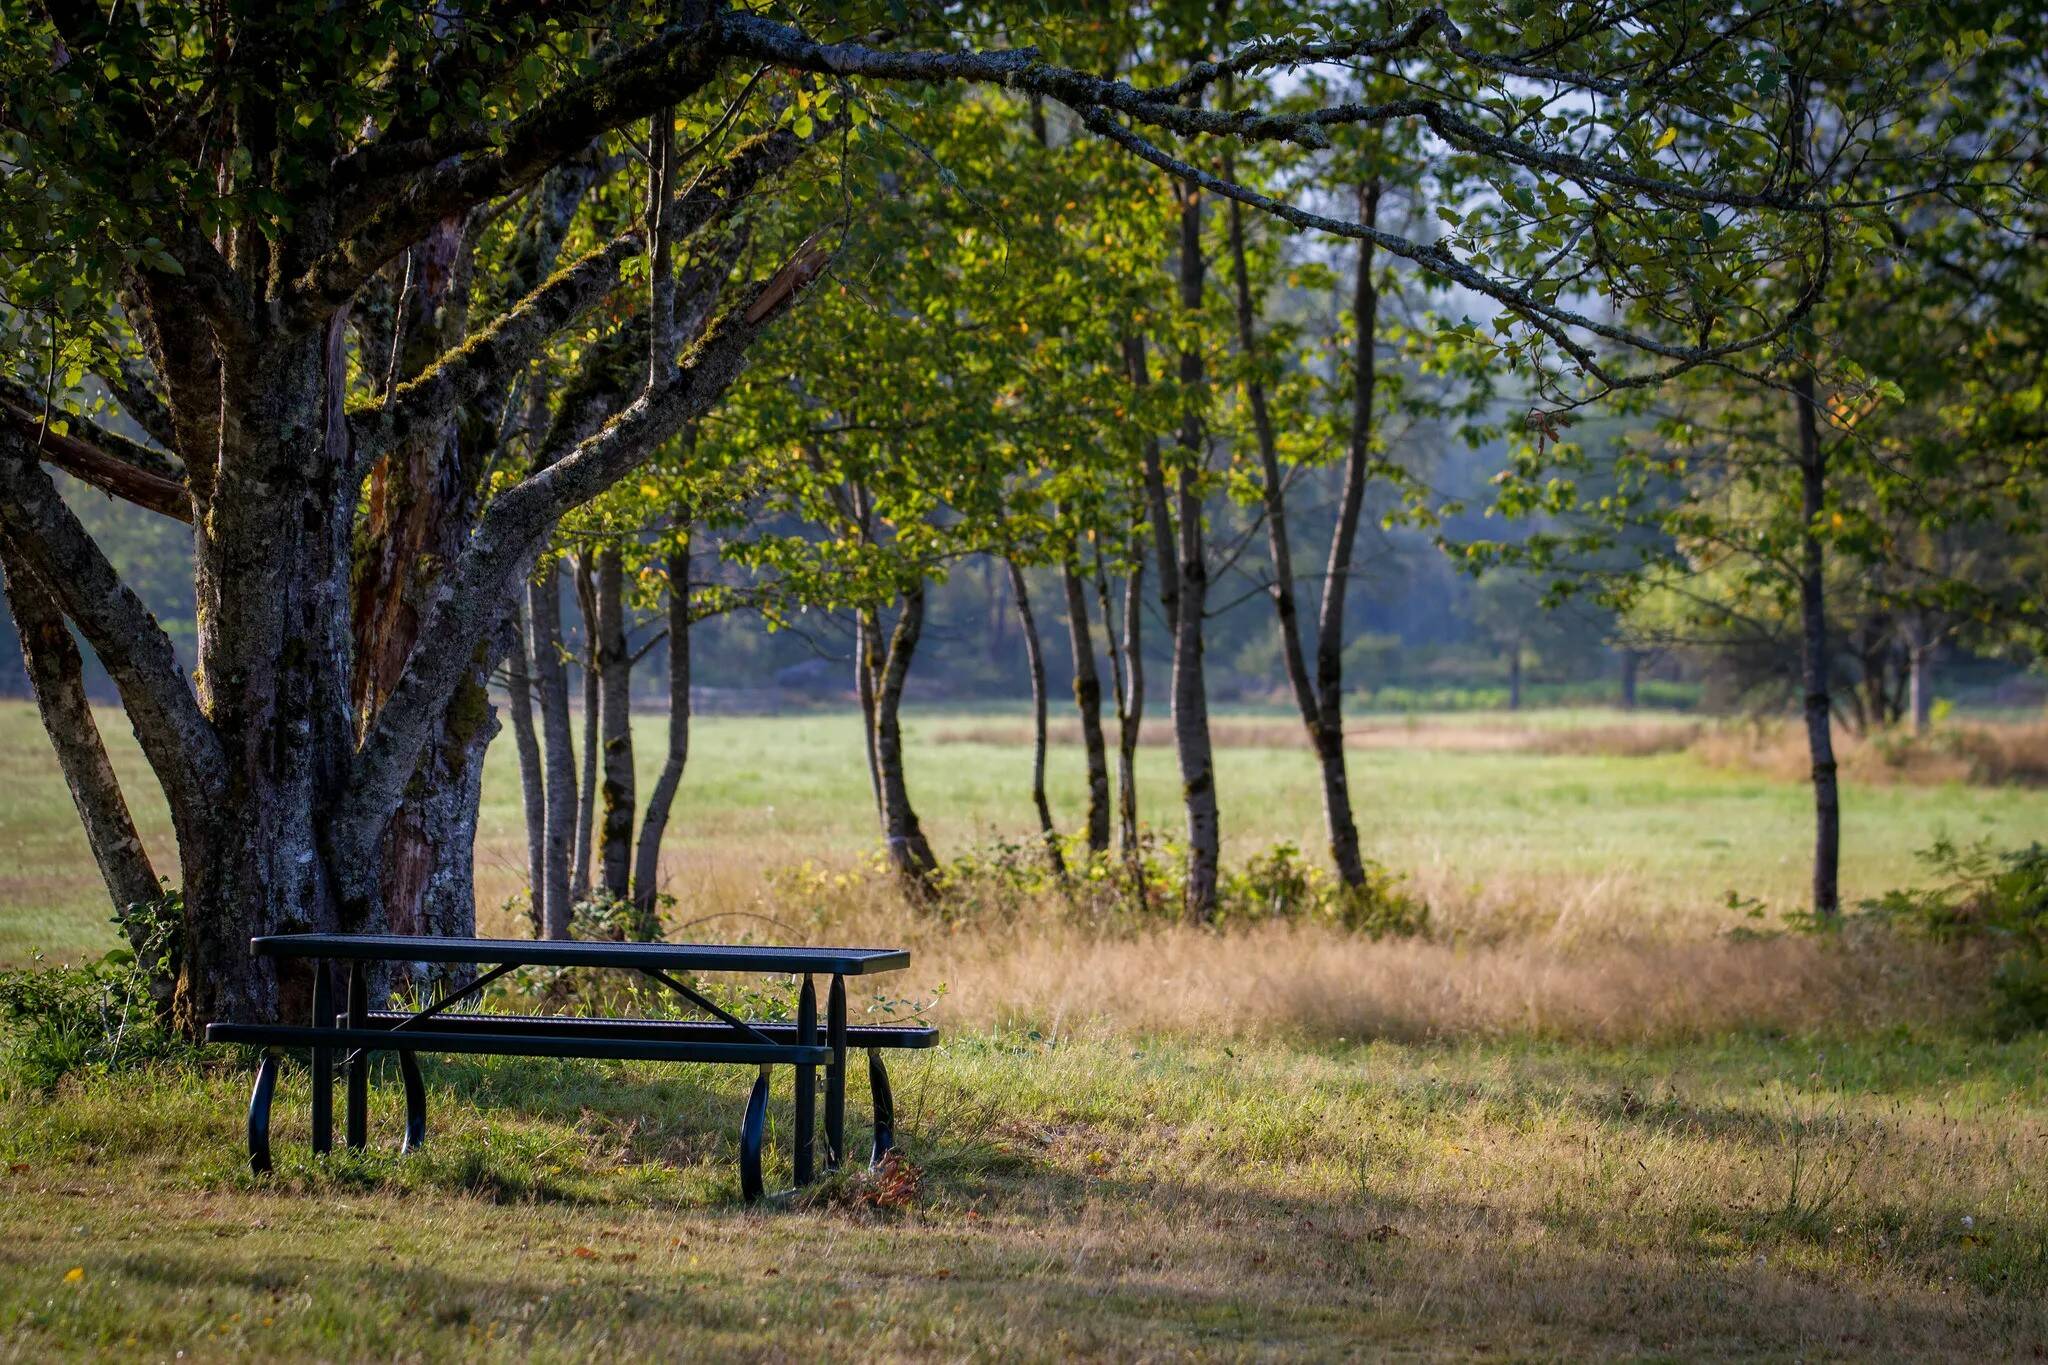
x,y
347,1038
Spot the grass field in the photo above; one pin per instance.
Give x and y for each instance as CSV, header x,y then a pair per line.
x,y
1578,1119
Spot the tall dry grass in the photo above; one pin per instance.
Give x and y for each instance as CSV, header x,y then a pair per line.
x,y
1983,754
1552,960
1313,983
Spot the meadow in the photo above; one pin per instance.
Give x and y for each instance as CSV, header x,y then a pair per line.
x,y
1596,1111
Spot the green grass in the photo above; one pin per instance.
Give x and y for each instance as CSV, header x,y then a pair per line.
x,y
1090,1188
1747,1198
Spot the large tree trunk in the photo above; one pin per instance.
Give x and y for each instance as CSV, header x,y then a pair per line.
x,y
423,498
1190,685
532,777
551,681
1813,654
288,771
1088,700
909,852
272,559
647,856
615,677
1320,702
1034,659
56,675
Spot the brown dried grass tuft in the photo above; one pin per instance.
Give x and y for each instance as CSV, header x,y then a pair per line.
x,y
1983,754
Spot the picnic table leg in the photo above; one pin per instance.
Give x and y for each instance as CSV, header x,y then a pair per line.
x,y
835,1074
885,1106
323,1063
751,1129
415,1101
806,1082
358,1126
259,1112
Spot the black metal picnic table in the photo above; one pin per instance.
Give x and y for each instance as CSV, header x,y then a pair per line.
x,y
354,1033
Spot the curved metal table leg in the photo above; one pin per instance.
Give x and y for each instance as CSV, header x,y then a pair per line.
x,y
752,1127
885,1106
835,1075
805,1139
415,1102
259,1114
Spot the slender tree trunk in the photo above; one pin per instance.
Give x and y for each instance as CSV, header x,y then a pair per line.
x,y
909,852
615,681
1515,674
867,670
593,707
1813,641
1920,684
1126,675
532,777
551,680
1190,687
1088,699
56,675
1158,513
1320,702
647,857
1035,661
1630,662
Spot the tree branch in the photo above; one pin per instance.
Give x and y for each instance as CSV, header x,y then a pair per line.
x,y
491,357
56,674
465,602
462,174
109,462
175,735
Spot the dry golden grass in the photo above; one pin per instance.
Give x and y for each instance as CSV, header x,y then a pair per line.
x,y
1566,960
1983,754
1312,983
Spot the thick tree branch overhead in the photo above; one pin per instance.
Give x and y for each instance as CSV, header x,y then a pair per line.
x,y
464,605
108,461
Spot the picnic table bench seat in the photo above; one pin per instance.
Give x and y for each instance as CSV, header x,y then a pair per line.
x,y
349,1037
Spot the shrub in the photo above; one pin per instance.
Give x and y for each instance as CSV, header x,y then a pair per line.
x,y
112,1011
1999,898
605,918
60,1019
1279,884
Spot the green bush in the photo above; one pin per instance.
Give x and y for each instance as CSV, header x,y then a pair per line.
x,y
1279,884
59,1019
1989,896
106,1013
605,918
1004,878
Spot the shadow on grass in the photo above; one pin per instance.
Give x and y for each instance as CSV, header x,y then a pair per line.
x,y
608,1133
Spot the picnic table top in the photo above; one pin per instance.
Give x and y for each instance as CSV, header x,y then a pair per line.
x,y
525,952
